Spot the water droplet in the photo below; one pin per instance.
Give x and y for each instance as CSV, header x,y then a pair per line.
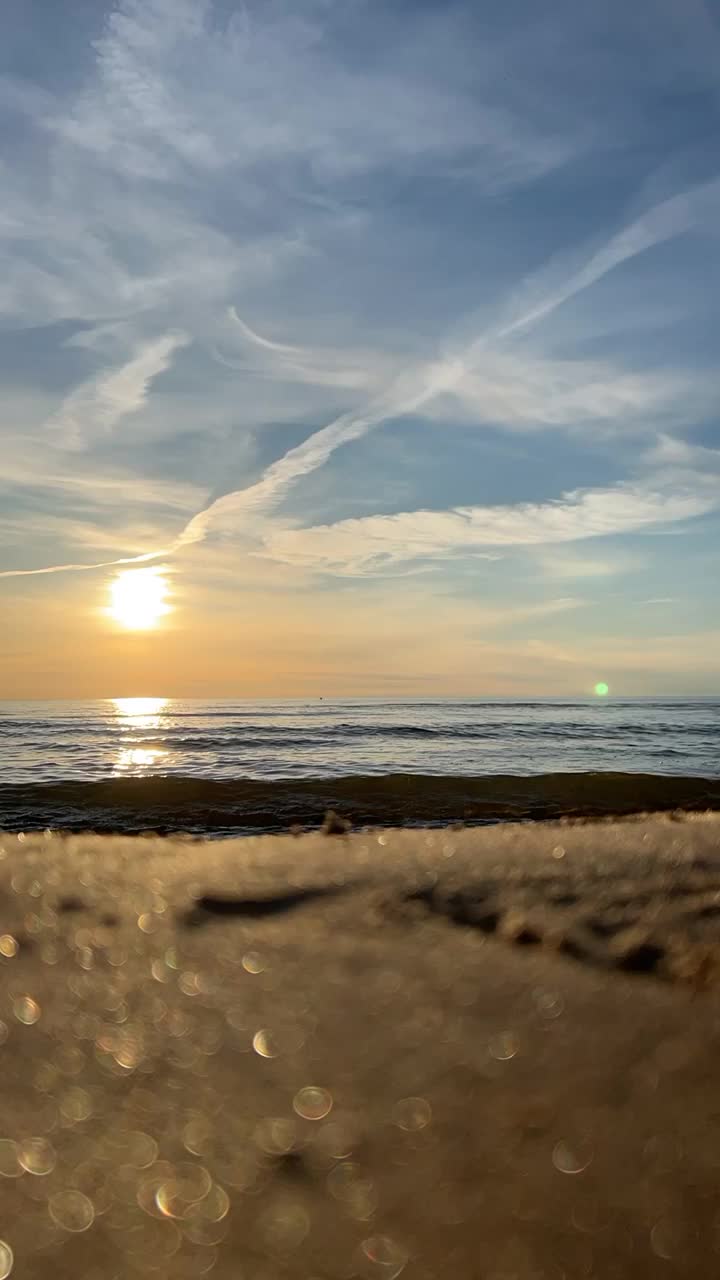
x,y
253,962
26,1010
37,1156
313,1103
412,1114
558,851
8,946
71,1210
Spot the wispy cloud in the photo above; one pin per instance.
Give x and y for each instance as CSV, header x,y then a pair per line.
x,y
270,93
563,565
362,545
96,407
521,391
454,374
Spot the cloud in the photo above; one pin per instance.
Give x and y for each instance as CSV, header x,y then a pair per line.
x,y
255,164
491,384
483,618
359,546
270,94
85,484
567,565
96,407
452,374
352,369
522,391
681,455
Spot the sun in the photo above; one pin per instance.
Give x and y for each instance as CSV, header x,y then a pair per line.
x,y
138,598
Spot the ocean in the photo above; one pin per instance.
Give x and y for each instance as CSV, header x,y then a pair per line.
x,y
231,766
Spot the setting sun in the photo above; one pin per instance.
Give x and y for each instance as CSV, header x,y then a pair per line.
x,y
139,598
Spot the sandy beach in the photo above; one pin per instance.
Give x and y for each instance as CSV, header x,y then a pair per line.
x,y
483,1053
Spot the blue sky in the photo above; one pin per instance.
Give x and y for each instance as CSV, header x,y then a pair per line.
x,y
388,333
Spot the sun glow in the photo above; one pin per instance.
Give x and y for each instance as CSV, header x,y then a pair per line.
x,y
138,598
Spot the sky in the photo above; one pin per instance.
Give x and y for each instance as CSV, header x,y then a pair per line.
x,y
385,337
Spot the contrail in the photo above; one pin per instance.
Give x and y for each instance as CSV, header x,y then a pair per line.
x,y
662,222
316,450
80,568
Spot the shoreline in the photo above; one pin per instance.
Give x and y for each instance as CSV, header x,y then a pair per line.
x,y
222,807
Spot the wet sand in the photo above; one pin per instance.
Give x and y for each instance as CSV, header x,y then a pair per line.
x,y
247,806
488,1053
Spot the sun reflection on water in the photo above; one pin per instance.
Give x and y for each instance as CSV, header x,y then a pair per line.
x,y
133,717
138,759
139,706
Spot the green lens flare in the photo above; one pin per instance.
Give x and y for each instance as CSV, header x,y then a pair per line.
x,y
602,689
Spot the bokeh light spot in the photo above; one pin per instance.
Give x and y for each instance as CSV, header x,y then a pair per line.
x,y
6,1260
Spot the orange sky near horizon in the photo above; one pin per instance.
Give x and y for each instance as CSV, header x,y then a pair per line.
x,y
357,640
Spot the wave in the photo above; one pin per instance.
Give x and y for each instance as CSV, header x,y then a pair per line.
x,y
221,807
258,735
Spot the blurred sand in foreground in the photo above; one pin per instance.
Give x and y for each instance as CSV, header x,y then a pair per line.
x,y
488,1053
